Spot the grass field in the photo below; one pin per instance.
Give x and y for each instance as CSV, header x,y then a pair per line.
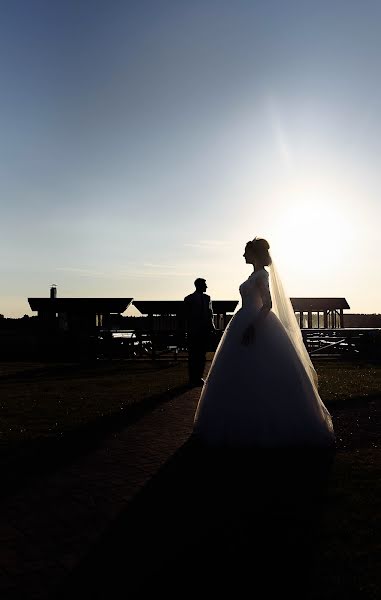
x,y
47,401
50,399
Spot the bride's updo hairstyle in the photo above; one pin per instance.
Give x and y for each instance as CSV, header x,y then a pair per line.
x,y
260,248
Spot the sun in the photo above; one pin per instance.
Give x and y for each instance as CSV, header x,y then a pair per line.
x,y
313,236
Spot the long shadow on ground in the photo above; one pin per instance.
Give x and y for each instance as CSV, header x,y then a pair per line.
x,y
227,524
22,462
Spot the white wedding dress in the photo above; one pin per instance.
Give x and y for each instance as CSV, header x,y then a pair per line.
x,y
260,394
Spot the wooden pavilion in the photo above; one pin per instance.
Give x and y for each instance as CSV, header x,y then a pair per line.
x,y
325,313
75,324
68,327
77,314
170,314
165,321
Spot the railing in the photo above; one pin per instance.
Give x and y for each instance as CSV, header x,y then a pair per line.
x,y
343,342
140,343
333,343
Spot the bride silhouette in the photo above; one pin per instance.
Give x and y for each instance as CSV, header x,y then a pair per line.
x,y
261,390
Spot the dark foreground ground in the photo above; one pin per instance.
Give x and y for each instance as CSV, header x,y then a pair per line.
x,y
216,525
138,508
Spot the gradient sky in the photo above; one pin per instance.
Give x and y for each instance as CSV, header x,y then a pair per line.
x,y
144,142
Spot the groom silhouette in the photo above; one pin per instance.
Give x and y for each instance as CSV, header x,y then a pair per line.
x,y
199,325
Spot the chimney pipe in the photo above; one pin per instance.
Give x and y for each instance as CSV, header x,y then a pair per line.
x,y
53,291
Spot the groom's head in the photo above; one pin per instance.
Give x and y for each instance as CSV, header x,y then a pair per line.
x,y
200,284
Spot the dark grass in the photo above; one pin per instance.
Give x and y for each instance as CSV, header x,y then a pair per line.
x,y
304,525
264,525
268,525
52,414
43,400
214,524
349,557
47,401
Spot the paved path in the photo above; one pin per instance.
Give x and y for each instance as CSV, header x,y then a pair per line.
x,y
47,528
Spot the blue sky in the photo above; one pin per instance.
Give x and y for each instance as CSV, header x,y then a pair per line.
x,y
143,143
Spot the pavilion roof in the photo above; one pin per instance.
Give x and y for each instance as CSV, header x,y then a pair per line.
x,y
315,304
176,307
80,305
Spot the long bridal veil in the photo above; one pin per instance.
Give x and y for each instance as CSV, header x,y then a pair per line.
x,y
283,309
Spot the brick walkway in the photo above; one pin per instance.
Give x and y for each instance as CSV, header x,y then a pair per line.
x,y
49,527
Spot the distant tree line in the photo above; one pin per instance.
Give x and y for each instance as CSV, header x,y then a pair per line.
x,y
23,323
129,322
362,320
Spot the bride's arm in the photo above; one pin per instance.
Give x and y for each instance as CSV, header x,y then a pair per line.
x,y
264,290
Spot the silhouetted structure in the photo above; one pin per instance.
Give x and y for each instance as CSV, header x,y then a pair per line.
x,y
362,320
166,314
166,320
326,313
70,326
78,314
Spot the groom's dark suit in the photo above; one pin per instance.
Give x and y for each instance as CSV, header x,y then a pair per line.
x,y
199,324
